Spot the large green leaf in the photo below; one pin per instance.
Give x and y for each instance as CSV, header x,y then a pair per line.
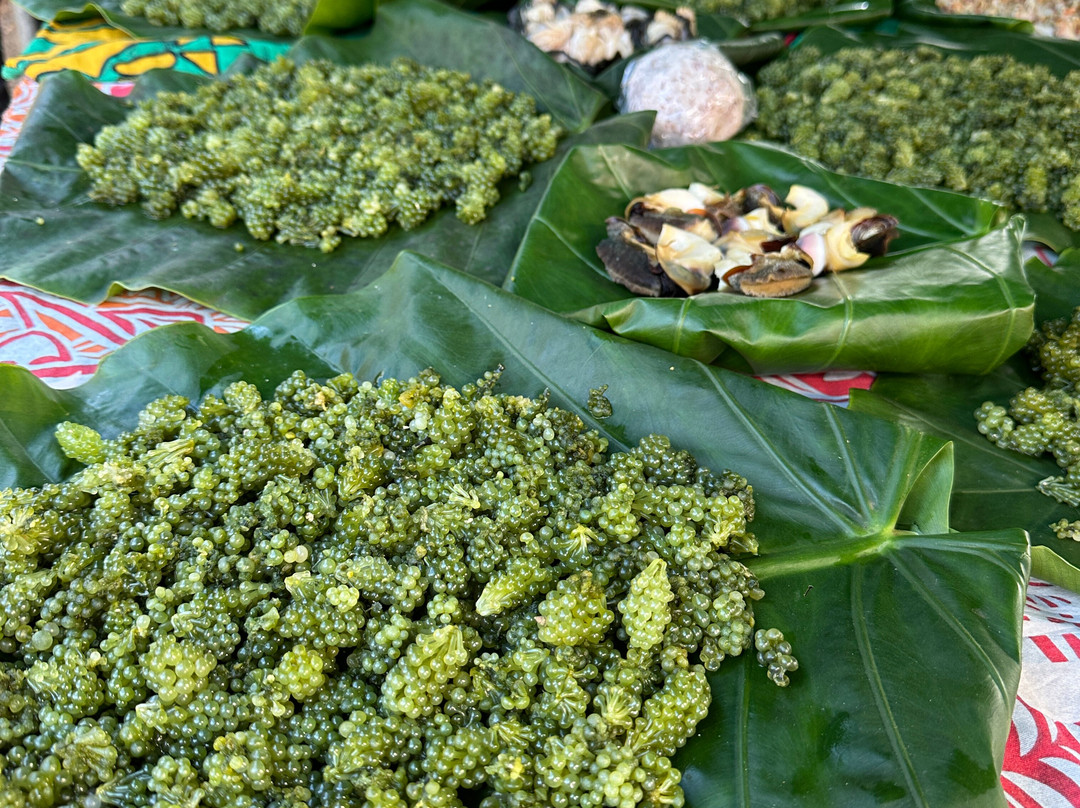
x,y
87,251
845,12
951,296
928,11
327,15
1060,56
908,634
993,486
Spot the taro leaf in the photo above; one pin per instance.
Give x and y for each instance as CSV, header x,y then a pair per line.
x,y
928,12
1047,229
951,295
1049,566
994,487
1058,55
328,15
87,251
750,51
848,12
908,634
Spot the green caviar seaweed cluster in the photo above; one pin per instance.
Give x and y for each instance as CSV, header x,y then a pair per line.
x,y
751,11
990,126
1066,530
307,153
1044,421
280,17
400,595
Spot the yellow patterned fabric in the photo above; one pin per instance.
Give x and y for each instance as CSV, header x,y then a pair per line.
x,y
104,53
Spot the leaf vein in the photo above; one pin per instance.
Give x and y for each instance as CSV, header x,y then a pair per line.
x,y
955,625
797,480
877,687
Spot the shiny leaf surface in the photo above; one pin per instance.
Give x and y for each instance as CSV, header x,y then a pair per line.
x,y
993,486
950,295
86,251
907,634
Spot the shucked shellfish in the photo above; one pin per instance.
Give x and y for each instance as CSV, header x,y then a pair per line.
x,y
592,34
684,241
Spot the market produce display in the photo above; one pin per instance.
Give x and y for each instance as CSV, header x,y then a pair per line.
x,y
949,296
399,593
84,250
592,34
306,153
682,241
990,126
352,592
281,17
1060,18
852,505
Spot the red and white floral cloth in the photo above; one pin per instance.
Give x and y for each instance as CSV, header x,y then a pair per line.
x,y
22,97
61,342
1042,754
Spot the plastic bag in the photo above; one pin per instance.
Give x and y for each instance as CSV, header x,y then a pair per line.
x,y
698,94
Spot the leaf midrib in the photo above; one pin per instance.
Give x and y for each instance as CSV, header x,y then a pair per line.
x,y
848,551
873,678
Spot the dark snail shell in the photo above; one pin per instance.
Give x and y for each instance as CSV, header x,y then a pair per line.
x,y
874,234
650,222
631,262
778,274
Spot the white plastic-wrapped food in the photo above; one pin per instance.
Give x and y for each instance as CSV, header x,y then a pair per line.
x,y
698,94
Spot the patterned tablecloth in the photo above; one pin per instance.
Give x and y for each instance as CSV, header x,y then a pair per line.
x,y
61,342
96,49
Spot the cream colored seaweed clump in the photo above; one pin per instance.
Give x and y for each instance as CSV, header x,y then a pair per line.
x,y
308,153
